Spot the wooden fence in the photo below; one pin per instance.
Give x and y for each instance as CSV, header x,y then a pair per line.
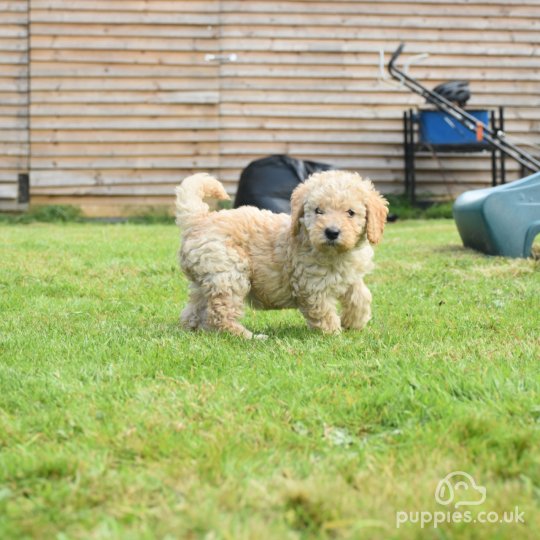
x,y
127,97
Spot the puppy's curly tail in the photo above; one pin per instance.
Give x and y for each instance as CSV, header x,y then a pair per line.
x,y
190,194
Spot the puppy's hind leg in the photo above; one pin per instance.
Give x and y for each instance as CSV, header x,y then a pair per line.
x,y
193,315
226,307
220,276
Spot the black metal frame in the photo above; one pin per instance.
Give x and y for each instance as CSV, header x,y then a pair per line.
x,y
23,195
497,137
411,147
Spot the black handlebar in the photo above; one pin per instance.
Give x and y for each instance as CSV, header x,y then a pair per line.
x,y
396,54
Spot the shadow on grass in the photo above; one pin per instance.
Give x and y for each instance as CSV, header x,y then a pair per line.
x,y
294,331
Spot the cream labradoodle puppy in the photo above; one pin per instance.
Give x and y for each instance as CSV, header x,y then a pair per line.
x,y
312,260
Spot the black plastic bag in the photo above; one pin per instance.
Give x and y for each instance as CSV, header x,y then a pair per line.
x,y
267,183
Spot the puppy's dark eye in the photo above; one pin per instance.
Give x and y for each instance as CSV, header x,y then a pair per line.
x,y
318,211
351,213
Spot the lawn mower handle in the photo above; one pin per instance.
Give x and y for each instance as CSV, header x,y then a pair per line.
x,y
395,56
496,138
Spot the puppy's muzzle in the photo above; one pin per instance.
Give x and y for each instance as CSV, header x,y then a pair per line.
x,y
331,233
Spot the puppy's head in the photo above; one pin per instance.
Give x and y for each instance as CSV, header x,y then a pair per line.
x,y
337,210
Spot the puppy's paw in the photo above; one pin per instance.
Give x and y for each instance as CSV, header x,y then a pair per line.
x,y
190,322
332,331
330,325
355,320
259,336
327,329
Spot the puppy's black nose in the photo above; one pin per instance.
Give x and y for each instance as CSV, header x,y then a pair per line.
x,y
331,233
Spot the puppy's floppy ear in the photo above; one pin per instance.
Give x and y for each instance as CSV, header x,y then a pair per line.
x,y
377,210
298,199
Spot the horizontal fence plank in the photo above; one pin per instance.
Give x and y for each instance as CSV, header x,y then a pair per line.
x,y
102,86
120,123
125,136
8,191
428,36
361,95
129,30
76,70
8,176
120,17
141,162
87,149
13,162
440,9
19,149
388,21
506,9
82,177
122,43
375,34
314,42
195,6
156,97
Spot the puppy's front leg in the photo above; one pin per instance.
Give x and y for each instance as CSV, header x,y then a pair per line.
x,y
321,313
356,306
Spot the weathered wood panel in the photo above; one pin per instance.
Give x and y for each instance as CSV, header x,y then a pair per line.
x,y
13,99
124,103
116,102
306,82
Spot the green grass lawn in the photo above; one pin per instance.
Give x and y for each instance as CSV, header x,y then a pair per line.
x,y
114,423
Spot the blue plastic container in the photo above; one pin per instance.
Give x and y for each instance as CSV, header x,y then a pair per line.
x,y
437,127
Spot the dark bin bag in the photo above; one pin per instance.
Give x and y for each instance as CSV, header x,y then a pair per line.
x,y
267,183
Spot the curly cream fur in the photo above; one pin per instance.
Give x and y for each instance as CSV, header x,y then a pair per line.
x,y
279,261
